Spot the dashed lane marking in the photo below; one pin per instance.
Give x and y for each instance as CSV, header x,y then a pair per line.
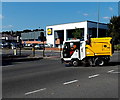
x,y
35,91
70,82
110,71
92,76
115,72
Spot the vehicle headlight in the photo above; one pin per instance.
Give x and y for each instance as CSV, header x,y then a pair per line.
x,y
65,54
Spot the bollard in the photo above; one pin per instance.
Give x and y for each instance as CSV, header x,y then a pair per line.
x,y
12,47
33,51
15,51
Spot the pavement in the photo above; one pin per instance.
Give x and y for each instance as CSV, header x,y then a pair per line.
x,y
9,58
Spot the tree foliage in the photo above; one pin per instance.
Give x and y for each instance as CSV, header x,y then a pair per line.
x,y
77,33
114,28
18,33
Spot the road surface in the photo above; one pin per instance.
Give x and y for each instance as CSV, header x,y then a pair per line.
x,y
48,78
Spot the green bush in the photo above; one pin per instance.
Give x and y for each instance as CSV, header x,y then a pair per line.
x,y
117,47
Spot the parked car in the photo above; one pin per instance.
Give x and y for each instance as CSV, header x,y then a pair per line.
x,y
48,45
5,45
60,46
39,46
15,45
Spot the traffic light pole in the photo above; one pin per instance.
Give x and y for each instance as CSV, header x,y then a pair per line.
x,y
43,49
42,39
20,47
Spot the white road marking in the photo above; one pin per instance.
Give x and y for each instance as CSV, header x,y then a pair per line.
x,y
110,71
115,72
70,82
92,76
35,91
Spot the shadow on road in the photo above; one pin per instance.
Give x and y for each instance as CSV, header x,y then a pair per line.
x,y
107,65
113,64
8,60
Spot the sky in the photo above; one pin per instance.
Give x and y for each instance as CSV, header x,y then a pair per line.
x,y
19,16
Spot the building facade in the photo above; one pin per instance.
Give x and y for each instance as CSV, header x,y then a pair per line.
x,y
29,38
56,34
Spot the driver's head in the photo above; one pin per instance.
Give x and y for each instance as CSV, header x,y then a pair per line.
x,y
74,46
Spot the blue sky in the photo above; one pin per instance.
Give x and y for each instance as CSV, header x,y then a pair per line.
x,y
32,15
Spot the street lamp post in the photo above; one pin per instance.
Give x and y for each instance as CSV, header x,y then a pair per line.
x,y
98,20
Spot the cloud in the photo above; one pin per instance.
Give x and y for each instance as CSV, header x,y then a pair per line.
x,y
85,14
1,17
110,8
106,17
7,26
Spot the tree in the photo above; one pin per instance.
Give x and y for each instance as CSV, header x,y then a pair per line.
x,y
78,33
114,29
27,30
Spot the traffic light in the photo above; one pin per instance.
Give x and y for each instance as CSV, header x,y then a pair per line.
x,y
42,36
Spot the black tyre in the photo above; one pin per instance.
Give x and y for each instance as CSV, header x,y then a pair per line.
x,y
75,63
99,61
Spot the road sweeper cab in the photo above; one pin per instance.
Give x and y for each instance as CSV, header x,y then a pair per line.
x,y
94,52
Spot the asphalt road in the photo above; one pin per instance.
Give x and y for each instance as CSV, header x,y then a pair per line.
x,y
48,78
